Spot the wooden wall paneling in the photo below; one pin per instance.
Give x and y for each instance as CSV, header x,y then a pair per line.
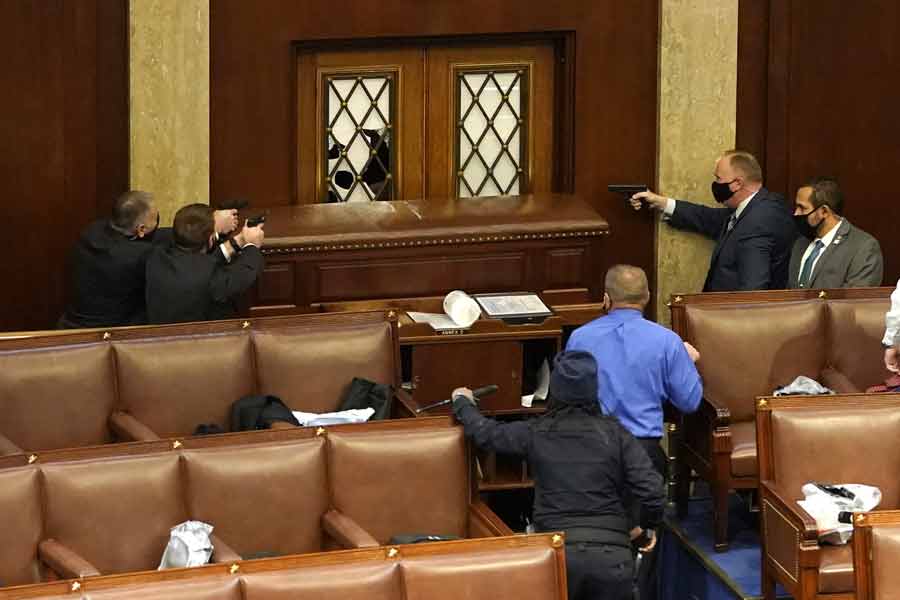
x,y
779,96
831,103
383,277
63,142
32,167
614,60
752,77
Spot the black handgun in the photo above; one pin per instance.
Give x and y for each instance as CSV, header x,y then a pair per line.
x,y
627,190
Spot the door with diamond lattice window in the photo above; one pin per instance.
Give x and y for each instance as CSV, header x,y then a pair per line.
x,y
429,121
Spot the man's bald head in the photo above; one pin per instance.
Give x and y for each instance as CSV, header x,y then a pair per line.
x,y
627,285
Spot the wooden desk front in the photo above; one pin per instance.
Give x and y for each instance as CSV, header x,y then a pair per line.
x,y
322,253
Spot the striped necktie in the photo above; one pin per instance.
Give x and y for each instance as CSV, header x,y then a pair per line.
x,y
731,221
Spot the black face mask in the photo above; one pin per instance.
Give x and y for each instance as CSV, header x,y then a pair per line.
x,y
721,192
808,231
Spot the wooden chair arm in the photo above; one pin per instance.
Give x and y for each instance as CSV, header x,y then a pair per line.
x,y
347,532
404,407
64,561
483,522
129,429
790,535
716,414
222,552
793,512
7,447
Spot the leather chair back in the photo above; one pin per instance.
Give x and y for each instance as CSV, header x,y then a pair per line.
x,y
749,350
834,445
885,553
359,581
499,575
261,498
116,513
310,368
208,588
384,481
21,524
172,385
855,329
57,397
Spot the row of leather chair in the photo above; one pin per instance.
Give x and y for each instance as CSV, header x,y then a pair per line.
x,y
142,383
851,438
109,509
507,568
752,343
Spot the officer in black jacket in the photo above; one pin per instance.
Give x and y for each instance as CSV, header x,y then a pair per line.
x,y
582,463
198,276
110,259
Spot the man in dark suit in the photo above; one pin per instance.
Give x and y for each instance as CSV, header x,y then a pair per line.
x,y
831,252
753,231
109,263
187,282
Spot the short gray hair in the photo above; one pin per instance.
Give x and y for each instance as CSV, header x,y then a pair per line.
x,y
128,210
627,284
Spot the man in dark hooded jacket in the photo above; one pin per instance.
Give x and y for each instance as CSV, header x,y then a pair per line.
x,y
582,463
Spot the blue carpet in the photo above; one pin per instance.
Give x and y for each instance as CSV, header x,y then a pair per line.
x,y
688,559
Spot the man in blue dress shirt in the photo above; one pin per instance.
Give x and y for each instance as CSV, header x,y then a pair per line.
x,y
640,367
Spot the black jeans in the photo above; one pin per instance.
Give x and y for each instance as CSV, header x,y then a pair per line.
x,y
599,571
647,580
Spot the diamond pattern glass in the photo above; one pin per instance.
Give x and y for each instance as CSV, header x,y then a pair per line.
x,y
492,116
359,133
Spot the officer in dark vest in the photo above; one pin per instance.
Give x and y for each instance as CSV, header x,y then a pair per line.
x,y
582,463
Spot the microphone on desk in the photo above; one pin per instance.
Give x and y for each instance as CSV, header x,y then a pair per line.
x,y
477,393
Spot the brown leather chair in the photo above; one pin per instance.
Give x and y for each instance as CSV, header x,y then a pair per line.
x,y
207,588
113,513
378,480
490,575
369,580
55,397
855,358
876,554
745,352
841,438
21,522
504,568
264,499
85,512
751,343
65,390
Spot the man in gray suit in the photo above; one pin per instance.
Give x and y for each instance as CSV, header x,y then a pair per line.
x,y
831,252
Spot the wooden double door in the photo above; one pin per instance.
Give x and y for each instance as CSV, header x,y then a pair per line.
x,y
429,121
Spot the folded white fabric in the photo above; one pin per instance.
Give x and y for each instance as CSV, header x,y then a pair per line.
x,y
354,415
825,503
189,546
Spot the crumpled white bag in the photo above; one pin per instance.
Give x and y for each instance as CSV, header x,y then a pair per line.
x,y
803,385
342,417
825,507
189,546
